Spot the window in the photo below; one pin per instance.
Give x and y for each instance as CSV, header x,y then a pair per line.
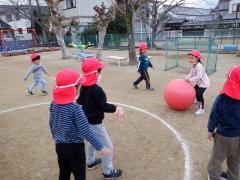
x,y
9,17
20,30
17,17
71,4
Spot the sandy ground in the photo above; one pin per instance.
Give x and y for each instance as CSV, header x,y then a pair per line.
x,y
143,147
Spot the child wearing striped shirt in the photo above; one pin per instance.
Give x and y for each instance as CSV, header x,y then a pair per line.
x,y
69,126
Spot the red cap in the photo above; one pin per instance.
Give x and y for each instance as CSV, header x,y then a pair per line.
x,y
232,86
33,56
196,54
89,69
64,91
142,46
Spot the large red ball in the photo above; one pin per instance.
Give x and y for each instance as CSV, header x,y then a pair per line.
x,y
179,94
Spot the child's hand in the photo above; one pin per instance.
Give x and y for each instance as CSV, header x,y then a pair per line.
x,y
106,152
187,80
120,113
210,136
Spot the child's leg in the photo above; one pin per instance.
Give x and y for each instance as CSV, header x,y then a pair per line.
x,y
220,152
42,83
233,161
91,154
33,85
148,86
139,79
199,95
104,138
71,158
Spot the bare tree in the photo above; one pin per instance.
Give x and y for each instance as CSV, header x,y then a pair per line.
x,y
56,25
131,8
103,20
160,18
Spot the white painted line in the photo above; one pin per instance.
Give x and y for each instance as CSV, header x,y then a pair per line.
x,y
187,165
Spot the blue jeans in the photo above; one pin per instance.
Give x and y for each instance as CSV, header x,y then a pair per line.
x,y
101,133
37,81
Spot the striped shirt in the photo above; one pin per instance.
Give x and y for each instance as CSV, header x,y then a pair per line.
x,y
69,124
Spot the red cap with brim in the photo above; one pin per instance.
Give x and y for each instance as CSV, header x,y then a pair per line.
x,y
89,69
64,91
196,54
33,56
232,86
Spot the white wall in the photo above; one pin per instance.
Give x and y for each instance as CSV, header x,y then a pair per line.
x,y
15,24
233,5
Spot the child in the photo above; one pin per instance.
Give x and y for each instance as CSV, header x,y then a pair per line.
x,y
36,69
94,103
69,126
143,65
224,126
198,78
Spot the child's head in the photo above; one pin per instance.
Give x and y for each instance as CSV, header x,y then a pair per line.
x,y
194,56
232,85
142,48
91,68
67,86
35,58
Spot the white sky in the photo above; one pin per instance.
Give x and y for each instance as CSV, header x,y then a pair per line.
x,y
202,3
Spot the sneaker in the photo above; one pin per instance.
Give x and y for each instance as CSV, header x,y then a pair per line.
x,y
199,111
30,92
94,164
223,176
115,173
150,89
44,92
135,86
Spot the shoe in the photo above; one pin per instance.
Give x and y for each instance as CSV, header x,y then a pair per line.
x,y
44,92
115,173
94,164
30,92
150,89
223,176
199,111
135,86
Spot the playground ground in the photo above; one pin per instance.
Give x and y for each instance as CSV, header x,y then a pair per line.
x,y
144,147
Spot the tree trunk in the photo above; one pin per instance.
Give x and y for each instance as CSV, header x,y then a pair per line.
x,y
60,39
130,33
101,36
154,35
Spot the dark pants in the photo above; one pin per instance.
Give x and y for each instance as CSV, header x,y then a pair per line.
x,y
199,95
71,158
143,76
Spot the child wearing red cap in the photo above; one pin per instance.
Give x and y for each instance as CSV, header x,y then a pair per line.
x,y
69,126
224,126
144,63
198,78
94,103
36,69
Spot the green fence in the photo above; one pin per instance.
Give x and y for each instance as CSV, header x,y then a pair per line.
x,y
176,49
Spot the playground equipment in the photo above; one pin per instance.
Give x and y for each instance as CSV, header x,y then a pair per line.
x,y
176,49
81,46
179,94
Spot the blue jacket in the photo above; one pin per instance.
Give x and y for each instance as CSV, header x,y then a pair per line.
x,y
144,63
225,116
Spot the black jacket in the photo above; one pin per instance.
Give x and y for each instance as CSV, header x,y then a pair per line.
x,y
94,103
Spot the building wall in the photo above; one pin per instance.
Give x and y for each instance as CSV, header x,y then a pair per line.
x,y
15,24
233,5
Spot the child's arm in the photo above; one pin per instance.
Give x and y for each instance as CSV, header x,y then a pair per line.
x,y
214,117
150,64
45,70
28,73
85,130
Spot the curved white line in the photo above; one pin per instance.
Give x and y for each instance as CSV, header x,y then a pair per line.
x,y
183,143
187,165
